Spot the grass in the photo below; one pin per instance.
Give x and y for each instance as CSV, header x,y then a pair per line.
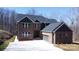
x,y
68,47
6,43
5,31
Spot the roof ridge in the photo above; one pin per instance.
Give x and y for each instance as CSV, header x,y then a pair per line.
x,y
40,18
52,27
58,25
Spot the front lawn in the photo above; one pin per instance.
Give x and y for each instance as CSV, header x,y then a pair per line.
x,y
68,47
6,43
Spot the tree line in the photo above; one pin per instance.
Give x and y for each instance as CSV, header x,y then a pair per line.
x,y
7,20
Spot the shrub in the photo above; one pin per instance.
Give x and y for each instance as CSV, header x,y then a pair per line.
x,y
1,42
6,43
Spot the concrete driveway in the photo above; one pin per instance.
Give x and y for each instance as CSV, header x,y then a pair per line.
x,y
34,45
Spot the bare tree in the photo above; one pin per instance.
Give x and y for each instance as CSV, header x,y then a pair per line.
x,y
1,18
7,20
75,23
12,22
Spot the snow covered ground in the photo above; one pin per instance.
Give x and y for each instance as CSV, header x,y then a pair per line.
x,y
34,45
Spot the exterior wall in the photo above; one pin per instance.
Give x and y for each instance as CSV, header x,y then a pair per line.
x,y
31,28
53,38
49,36
21,29
59,37
63,37
43,25
37,26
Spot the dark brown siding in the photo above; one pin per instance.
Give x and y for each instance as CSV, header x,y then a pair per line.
x,y
31,28
64,35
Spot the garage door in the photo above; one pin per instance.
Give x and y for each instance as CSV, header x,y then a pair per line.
x,y
45,37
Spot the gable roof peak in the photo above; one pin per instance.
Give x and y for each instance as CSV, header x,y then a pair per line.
x,y
52,27
40,18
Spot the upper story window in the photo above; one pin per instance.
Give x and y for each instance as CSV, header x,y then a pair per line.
x,y
37,26
26,25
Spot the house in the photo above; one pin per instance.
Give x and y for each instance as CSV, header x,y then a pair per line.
x,y
29,27
57,33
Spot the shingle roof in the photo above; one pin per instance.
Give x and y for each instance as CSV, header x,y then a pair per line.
x,y
26,20
19,17
52,27
41,19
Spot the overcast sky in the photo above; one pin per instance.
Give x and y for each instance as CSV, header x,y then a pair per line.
x,y
50,12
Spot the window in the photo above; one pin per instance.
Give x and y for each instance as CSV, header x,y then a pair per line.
x,y
26,34
29,25
26,25
37,26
